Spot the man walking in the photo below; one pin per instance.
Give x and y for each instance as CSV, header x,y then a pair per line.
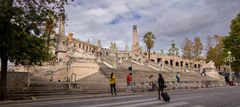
x,y
178,77
129,80
161,85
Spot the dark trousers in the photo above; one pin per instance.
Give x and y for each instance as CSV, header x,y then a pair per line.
x,y
113,88
160,90
178,80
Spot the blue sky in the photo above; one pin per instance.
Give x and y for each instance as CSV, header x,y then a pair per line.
x,y
112,20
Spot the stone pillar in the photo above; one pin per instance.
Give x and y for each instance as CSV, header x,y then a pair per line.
x,y
135,44
134,38
62,26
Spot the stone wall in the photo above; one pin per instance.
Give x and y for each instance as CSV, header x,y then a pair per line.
x,y
16,81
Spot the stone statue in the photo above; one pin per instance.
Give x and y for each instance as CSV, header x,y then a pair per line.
x,y
88,41
99,43
211,64
126,48
162,52
114,47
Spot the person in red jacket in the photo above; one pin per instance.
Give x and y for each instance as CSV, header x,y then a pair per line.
x,y
129,80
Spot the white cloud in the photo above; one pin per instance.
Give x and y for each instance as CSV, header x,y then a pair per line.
x,y
112,20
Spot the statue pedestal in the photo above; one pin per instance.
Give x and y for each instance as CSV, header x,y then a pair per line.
x,y
212,73
210,70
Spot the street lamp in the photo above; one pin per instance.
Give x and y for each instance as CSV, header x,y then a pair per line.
x,y
230,59
68,63
173,50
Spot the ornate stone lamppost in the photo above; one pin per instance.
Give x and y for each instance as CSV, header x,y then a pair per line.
x,y
141,55
230,59
173,51
68,67
114,60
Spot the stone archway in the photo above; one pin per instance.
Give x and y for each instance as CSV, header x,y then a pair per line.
x,y
171,63
181,63
152,60
186,65
159,60
166,62
177,64
195,65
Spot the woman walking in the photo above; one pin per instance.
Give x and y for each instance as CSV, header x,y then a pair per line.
x,y
113,83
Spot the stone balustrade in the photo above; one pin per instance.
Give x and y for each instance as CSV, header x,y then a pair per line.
x,y
139,86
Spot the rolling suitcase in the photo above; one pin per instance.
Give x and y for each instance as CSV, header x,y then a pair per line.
x,y
165,96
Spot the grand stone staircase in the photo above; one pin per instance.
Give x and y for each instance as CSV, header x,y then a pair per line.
x,y
98,82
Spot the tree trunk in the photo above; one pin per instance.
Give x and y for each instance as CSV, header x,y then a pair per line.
x,y
48,39
148,54
3,83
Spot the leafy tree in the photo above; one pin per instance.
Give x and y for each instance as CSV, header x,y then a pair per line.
x,y
215,50
149,41
21,33
187,49
197,48
232,42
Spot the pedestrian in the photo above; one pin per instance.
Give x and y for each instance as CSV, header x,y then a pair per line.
x,y
226,79
150,83
51,79
120,62
129,81
113,81
178,77
130,68
161,85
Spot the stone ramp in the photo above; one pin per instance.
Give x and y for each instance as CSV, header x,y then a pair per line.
x,y
194,76
185,76
98,77
76,71
140,72
44,73
82,69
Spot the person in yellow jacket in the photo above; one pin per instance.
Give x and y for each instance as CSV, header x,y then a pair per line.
x,y
113,81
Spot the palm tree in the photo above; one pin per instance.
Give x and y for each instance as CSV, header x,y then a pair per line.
x,y
49,26
149,41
